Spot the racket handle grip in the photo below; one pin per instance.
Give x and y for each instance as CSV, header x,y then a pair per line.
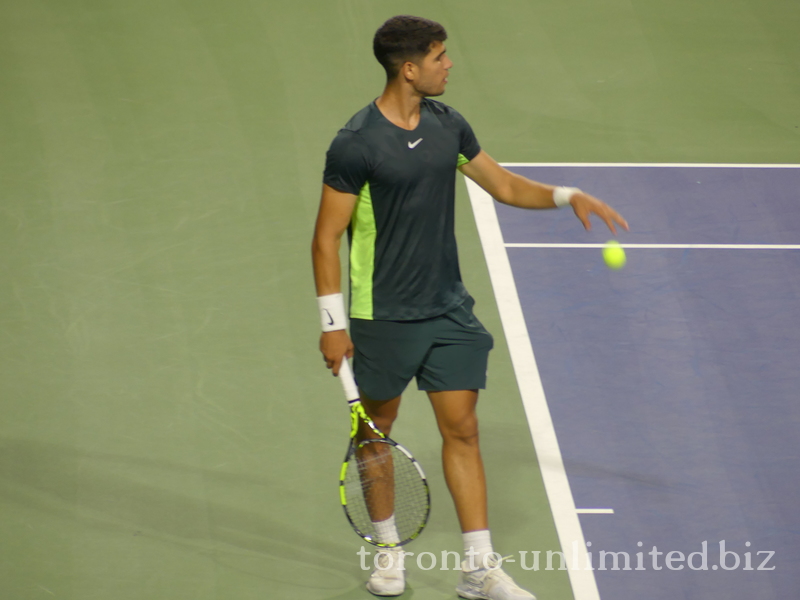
x,y
348,381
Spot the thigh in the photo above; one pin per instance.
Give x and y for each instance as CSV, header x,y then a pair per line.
x,y
459,355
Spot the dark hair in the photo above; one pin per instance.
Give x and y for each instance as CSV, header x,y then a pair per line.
x,y
405,38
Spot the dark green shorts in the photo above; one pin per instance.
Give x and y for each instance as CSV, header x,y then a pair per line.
x,y
449,352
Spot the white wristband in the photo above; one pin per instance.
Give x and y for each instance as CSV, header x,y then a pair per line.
x,y
331,312
562,195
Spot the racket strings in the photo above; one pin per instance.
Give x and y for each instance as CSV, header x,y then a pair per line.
x,y
382,481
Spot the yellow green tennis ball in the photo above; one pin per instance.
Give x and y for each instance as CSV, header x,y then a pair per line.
x,y
614,255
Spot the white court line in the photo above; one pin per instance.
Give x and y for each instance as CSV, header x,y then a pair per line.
x,y
658,165
562,504
664,246
594,511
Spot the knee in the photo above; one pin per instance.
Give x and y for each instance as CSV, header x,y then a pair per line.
x,y
382,419
384,423
462,431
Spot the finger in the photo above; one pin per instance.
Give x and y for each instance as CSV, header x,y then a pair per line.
x,y
622,222
584,218
617,218
609,215
609,223
337,364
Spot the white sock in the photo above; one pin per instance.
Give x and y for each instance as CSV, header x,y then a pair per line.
x,y
477,547
386,531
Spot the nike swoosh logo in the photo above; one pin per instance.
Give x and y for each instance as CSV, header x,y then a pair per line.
x,y
414,145
330,318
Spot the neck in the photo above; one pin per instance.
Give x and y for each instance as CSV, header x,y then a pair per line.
x,y
399,103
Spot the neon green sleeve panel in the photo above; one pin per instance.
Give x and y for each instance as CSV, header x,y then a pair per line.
x,y
462,160
362,256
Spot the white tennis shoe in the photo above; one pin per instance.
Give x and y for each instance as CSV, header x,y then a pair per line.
x,y
389,576
491,583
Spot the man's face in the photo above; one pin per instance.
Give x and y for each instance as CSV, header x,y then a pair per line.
x,y
432,71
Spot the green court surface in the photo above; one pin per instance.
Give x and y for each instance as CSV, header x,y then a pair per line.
x,y
168,427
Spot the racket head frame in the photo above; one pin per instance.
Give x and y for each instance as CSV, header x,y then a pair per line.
x,y
352,448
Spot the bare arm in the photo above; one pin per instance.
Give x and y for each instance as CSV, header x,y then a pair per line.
x,y
516,190
335,210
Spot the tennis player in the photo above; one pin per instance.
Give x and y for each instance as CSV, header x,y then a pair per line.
x,y
389,181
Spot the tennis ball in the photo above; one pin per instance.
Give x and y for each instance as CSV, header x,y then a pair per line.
x,y
614,255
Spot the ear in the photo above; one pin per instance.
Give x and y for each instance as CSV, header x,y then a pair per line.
x,y
409,71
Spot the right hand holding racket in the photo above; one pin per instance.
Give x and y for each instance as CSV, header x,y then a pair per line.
x,y
335,345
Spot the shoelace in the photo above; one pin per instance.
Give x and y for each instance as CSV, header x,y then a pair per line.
x,y
495,567
495,564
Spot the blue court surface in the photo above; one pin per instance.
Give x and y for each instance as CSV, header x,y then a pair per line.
x,y
672,384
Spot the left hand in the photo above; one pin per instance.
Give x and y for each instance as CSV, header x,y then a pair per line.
x,y
583,204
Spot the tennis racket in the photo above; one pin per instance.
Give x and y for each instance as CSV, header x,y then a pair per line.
x,y
379,478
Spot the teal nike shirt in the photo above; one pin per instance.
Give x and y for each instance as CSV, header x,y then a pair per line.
x,y
403,255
